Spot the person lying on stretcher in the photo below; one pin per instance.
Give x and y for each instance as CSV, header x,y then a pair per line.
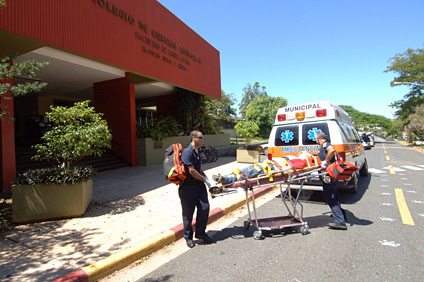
x,y
300,161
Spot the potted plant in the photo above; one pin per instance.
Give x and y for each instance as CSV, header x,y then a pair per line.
x,y
248,130
159,129
64,190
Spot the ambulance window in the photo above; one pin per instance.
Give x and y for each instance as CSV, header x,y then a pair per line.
x,y
287,136
347,130
309,130
355,133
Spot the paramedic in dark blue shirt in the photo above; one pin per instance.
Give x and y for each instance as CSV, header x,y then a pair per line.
x,y
193,193
327,156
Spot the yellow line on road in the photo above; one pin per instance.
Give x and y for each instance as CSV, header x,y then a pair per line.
x,y
403,208
385,152
392,170
388,158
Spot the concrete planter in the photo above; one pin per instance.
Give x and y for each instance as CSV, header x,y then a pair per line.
x,y
41,202
248,156
152,153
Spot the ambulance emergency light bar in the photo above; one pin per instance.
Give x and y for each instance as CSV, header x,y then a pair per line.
x,y
301,115
311,111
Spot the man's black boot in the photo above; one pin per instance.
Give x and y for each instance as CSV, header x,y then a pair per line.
x,y
190,243
206,238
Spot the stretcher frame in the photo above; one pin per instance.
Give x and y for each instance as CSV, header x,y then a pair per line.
x,y
286,176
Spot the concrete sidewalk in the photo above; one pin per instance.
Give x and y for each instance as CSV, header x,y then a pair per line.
x,y
132,208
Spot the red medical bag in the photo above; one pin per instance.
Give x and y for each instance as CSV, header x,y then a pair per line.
x,y
341,170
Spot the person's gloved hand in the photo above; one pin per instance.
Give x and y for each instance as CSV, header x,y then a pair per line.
x,y
207,182
324,164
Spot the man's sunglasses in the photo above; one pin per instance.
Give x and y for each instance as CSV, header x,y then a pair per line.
x,y
200,137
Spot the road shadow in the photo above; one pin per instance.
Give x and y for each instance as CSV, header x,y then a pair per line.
x,y
351,219
238,232
160,279
346,197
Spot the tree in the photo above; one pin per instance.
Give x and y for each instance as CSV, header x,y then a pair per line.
x,y
247,129
221,109
191,113
8,70
406,106
250,93
417,122
410,68
409,65
263,110
77,132
27,67
396,129
368,122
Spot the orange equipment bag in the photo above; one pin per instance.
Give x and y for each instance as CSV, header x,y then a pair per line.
x,y
341,170
173,167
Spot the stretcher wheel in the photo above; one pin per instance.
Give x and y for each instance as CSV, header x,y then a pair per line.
x,y
304,229
246,224
257,235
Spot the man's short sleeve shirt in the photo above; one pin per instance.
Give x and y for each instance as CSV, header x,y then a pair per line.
x,y
323,152
189,157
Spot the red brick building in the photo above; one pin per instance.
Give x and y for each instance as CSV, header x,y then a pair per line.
x,y
123,55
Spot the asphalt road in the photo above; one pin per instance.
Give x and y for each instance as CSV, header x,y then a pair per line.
x,y
383,241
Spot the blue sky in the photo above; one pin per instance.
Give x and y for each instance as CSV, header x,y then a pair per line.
x,y
307,51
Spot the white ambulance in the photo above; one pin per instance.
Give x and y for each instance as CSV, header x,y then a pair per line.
x,y
295,128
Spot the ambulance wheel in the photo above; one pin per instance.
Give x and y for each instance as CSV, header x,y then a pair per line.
x,y
364,169
353,183
246,224
257,235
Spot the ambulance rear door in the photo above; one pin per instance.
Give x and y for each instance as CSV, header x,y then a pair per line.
x,y
295,138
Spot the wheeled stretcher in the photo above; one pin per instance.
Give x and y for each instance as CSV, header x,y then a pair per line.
x,y
283,176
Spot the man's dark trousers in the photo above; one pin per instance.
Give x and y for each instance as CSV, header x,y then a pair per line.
x,y
330,195
194,196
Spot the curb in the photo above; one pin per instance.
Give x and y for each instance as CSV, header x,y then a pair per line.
x,y
411,146
123,258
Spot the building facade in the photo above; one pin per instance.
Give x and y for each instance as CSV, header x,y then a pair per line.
x,y
128,57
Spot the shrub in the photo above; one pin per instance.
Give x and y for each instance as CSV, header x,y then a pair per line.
x,y
159,129
56,175
77,132
247,130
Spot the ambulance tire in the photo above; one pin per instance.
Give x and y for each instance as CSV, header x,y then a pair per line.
x,y
364,169
353,183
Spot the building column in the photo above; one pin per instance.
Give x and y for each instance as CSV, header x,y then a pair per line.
x,y
7,145
116,100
